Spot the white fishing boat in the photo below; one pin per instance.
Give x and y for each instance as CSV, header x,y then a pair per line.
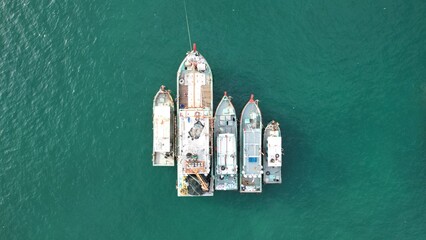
x,y
251,148
195,126
225,138
272,158
163,129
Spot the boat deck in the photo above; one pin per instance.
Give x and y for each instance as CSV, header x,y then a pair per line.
x,y
195,128
272,159
206,94
250,150
163,129
225,135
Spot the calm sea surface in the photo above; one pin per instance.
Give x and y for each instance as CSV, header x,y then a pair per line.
x,y
346,79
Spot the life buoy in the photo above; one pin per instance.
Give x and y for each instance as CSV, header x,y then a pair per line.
x,y
181,81
197,114
277,155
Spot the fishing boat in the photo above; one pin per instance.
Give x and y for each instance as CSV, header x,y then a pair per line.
x,y
225,138
195,126
272,158
163,129
251,148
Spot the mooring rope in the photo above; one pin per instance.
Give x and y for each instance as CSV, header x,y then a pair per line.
x,y
187,25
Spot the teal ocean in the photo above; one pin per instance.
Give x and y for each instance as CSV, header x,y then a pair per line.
x,y
346,79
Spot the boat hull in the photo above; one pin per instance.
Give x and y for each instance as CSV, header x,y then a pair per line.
x,y
195,127
250,148
163,129
225,139
272,158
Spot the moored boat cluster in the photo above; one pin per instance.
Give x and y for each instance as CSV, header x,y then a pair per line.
x,y
204,146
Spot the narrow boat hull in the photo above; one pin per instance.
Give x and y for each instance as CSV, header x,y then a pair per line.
x,y
195,126
225,138
272,158
251,148
163,129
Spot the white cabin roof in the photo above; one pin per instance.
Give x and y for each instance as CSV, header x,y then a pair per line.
x,y
162,129
274,151
226,150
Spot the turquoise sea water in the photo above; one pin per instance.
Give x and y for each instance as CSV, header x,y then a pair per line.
x,y
346,80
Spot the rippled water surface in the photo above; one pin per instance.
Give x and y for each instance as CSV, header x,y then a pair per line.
x,y
346,80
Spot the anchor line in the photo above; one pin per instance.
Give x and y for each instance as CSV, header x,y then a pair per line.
x,y
187,25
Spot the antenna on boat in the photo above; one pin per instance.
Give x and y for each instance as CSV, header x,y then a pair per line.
x,y
187,25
